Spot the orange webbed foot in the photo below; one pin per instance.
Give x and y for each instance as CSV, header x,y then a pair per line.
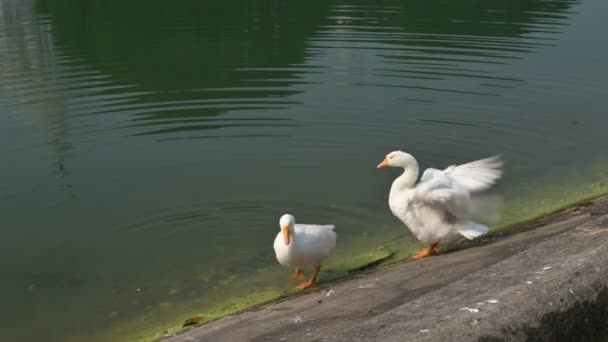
x,y
432,249
312,279
304,285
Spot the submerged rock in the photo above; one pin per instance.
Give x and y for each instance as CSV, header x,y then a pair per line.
x,y
193,320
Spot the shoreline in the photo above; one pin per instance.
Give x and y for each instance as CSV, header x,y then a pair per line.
x,y
580,210
524,253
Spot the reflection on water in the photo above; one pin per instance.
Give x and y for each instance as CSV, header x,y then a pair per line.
x,y
152,147
192,62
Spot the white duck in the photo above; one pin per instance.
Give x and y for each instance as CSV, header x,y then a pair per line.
x,y
440,208
302,245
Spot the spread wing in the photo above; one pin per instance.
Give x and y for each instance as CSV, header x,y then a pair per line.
x,y
451,189
476,176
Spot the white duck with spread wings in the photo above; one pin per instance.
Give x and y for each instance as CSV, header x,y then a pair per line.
x,y
440,209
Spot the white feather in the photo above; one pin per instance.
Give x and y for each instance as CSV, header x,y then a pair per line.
x,y
475,176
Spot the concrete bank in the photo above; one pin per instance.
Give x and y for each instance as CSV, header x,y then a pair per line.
x,y
545,280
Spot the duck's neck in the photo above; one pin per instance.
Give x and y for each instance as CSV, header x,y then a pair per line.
x,y
407,179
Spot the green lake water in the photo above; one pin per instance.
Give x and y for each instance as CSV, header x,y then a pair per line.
x,y
148,149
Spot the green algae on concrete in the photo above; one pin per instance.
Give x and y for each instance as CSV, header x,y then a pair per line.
x,y
168,317
535,198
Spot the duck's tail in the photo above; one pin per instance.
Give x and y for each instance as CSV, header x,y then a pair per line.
x,y
472,230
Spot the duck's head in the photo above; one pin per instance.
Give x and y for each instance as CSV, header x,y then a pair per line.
x,y
397,159
287,223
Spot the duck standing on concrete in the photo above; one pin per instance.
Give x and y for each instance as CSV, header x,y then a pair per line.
x,y
302,245
440,208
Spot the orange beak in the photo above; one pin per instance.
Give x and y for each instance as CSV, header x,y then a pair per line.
x,y
286,235
384,163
